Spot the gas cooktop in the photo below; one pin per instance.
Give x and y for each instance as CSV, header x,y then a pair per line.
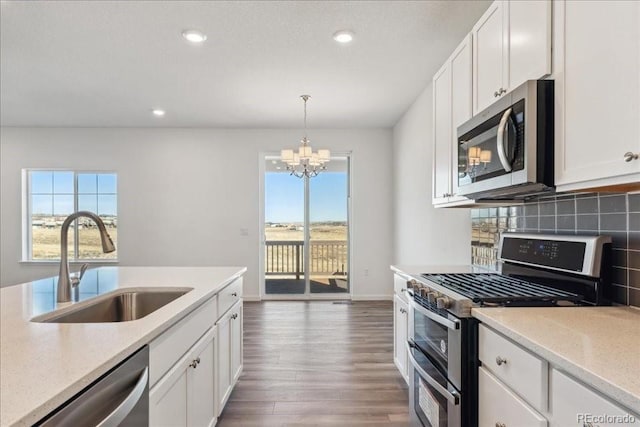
x,y
536,270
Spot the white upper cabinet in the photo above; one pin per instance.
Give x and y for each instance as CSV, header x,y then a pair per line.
x,y
597,93
489,57
529,40
451,107
442,134
461,103
511,44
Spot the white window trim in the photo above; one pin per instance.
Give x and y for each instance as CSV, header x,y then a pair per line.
x,y
27,229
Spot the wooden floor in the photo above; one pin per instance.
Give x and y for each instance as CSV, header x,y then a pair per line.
x,y
318,363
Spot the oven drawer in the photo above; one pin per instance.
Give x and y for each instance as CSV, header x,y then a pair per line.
x,y
400,287
499,406
523,372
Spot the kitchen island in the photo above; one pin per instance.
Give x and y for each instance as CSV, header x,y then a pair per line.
x,y
42,365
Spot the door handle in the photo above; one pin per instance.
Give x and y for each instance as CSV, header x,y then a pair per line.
x,y
121,412
500,141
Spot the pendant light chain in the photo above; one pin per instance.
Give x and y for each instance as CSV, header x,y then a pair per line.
x,y
305,98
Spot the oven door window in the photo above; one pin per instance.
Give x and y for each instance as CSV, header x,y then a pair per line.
x,y
430,404
433,339
494,148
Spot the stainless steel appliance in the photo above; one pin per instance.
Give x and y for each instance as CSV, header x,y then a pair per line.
x,y
506,151
118,398
536,270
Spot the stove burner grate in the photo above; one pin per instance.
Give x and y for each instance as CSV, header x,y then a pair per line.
x,y
499,289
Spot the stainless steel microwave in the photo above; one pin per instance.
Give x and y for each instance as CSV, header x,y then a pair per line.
x,y
506,151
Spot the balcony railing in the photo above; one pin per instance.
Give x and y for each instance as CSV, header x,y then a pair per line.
x,y
286,257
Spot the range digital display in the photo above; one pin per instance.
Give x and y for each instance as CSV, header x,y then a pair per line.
x,y
546,253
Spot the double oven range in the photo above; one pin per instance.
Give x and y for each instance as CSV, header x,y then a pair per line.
x,y
536,270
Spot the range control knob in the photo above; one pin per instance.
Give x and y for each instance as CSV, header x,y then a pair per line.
x,y
432,297
411,283
424,292
443,302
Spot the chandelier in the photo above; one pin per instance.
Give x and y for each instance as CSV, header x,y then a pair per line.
x,y
304,162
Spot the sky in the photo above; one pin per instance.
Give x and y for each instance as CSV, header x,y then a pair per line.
x,y
52,192
284,197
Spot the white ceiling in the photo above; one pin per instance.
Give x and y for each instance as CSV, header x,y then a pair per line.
x,y
108,63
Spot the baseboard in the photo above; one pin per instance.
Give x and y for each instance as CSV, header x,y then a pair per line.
x,y
372,298
251,298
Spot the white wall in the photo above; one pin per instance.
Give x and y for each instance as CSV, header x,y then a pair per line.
x,y
184,194
422,234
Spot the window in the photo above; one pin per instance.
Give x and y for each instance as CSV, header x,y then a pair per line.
x,y
51,196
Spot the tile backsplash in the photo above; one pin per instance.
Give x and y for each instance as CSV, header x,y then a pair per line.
x,y
616,215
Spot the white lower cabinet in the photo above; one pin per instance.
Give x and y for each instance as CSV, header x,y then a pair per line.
x,y
520,370
236,342
229,351
185,396
500,407
195,364
572,404
400,326
514,386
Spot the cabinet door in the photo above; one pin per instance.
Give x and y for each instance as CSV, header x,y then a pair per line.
x,y
597,92
236,342
442,134
499,406
461,102
201,383
529,40
168,400
489,57
400,324
223,365
569,399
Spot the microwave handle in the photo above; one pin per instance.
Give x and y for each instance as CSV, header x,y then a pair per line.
x,y
500,140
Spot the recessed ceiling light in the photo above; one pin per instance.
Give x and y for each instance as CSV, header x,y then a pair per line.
x,y
194,36
158,113
343,36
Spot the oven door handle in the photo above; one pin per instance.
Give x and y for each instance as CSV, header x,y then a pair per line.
x,y
451,324
500,140
454,397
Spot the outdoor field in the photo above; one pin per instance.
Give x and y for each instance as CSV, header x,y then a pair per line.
x,y
46,243
294,231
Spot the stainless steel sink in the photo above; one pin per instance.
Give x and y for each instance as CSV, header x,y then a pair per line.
x,y
122,306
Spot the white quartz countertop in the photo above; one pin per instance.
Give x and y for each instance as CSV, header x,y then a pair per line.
x,y
44,364
599,346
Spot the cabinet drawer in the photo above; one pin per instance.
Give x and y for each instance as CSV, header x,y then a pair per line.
x,y
498,406
165,350
523,372
229,296
400,286
569,398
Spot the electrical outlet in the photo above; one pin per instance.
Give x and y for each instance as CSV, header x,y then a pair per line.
x,y
244,231
366,272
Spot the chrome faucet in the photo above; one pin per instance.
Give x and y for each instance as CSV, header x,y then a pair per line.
x,y
66,280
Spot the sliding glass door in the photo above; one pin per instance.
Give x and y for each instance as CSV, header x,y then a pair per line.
x,y
306,230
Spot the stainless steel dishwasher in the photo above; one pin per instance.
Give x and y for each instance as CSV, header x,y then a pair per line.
x,y
119,398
